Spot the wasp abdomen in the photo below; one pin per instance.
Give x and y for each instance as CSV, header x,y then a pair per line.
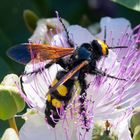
x,y
57,101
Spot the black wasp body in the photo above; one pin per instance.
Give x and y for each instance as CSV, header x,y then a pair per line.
x,y
59,98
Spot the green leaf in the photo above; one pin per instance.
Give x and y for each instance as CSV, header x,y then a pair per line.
x,y
30,19
132,4
10,134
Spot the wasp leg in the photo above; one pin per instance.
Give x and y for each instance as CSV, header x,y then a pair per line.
x,y
82,98
102,73
39,69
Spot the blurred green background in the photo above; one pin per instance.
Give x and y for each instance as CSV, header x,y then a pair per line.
x,y
84,12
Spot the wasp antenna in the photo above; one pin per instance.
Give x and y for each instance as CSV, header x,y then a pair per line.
x,y
60,19
105,34
65,29
113,77
118,47
102,73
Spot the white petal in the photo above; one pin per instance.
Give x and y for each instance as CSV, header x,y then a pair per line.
x,y
40,32
123,131
109,63
79,35
115,29
36,128
60,40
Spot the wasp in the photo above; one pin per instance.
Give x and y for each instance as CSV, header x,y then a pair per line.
x,y
76,64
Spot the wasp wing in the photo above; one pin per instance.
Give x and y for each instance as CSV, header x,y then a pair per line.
x,y
19,53
68,76
24,53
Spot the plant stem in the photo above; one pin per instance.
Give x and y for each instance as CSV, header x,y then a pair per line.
x,y
12,124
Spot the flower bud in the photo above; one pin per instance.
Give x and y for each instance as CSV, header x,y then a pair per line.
x,y
10,100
